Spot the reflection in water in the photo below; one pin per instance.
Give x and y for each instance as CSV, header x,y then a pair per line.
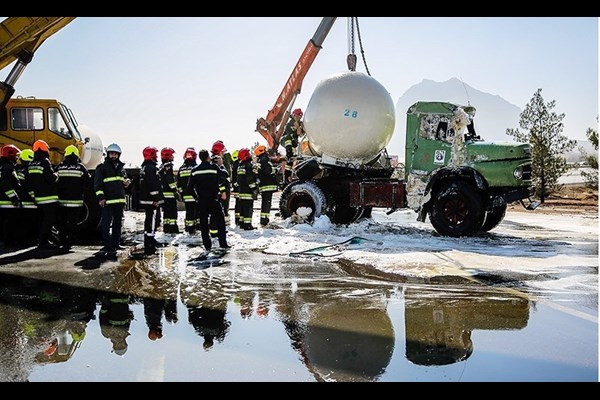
x,y
438,322
340,328
115,320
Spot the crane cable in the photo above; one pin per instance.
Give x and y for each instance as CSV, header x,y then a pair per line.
x,y
351,59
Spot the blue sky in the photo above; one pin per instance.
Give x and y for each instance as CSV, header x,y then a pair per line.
x,y
183,82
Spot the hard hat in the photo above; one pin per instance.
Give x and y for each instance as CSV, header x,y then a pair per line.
x,y
190,154
235,155
40,145
260,150
10,151
71,149
297,113
244,154
217,147
115,148
167,154
26,155
150,153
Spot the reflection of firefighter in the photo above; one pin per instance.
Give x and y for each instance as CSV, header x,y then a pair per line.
x,y
115,320
154,309
209,322
438,329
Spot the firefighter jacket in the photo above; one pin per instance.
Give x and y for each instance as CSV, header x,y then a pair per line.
x,y
246,178
183,177
234,168
289,139
108,181
266,174
224,179
73,179
167,181
9,184
150,187
27,200
41,179
204,182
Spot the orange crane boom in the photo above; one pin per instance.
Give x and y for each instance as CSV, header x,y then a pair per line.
x,y
271,127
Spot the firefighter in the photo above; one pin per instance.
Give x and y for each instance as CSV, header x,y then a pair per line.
x,y
73,179
204,184
110,182
219,149
267,182
169,190
115,318
234,185
293,130
183,176
246,178
42,179
150,196
10,187
224,186
28,228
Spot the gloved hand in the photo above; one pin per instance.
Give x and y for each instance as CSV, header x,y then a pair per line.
x,y
254,194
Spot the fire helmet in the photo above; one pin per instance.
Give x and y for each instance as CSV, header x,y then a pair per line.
x,y
166,154
41,145
10,151
244,154
235,155
259,150
190,154
150,153
217,147
71,149
297,113
26,155
114,148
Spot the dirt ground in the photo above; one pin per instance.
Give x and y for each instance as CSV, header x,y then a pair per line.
x,y
572,198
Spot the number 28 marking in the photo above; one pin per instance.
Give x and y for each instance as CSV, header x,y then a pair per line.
x,y
349,113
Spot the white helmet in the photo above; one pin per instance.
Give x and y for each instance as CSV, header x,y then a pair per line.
x,y
114,148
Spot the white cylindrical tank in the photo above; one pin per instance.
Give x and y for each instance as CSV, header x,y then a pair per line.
x,y
350,117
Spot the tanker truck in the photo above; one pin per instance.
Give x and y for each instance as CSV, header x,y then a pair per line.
x,y
460,181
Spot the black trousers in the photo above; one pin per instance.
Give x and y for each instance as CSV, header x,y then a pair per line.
x,y
49,214
265,206
68,218
211,209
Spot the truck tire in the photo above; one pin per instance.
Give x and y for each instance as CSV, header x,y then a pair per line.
x,y
494,217
302,195
457,210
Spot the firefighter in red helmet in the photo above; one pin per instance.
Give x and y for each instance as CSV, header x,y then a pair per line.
x,y
169,189
191,221
247,185
293,130
9,193
150,197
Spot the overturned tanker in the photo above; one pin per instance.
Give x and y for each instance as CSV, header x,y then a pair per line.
x,y
460,181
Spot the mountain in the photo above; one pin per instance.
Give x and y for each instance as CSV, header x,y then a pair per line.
x,y
494,114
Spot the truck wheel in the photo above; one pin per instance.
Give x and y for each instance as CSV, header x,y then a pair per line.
x,y
457,210
494,217
302,200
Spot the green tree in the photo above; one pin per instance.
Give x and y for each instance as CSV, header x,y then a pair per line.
x,y
542,127
591,178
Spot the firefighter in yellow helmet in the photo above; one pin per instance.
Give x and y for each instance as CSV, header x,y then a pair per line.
x,y
73,180
28,228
